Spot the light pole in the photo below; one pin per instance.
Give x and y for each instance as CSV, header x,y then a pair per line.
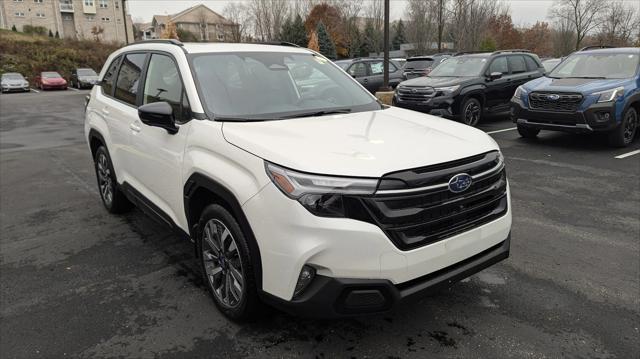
x,y
385,86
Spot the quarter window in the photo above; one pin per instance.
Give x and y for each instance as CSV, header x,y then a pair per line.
x,y
129,77
109,76
517,65
163,83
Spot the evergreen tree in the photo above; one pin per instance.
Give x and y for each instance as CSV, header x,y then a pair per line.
x,y
50,33
369,39
325,44
298,32
285,31
13,28
57,36
488,44
399,37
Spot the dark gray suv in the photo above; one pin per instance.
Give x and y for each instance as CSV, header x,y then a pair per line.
x,y
369,72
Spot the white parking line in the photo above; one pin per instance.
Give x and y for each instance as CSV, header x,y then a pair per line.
x,y
34,90
625,155
505,130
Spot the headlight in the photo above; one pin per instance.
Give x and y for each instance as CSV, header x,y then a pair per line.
x,y
610,95
321,195
519,92
448,89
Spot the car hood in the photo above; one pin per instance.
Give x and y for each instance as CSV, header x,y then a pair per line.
x,y
426,81
584,86
14,82
56,80
364,144
88,78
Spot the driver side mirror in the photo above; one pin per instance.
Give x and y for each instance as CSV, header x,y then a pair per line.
x,y
158,114
494,76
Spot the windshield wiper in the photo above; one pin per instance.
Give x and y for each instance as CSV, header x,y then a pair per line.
x,y
587,77
319,113
241,119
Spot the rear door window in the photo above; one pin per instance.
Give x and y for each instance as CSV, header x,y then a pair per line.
x,y
109,76
532,65
129,78
517,64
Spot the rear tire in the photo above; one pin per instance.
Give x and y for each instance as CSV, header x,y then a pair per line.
x,y
471,112
112,196
623,135
528,132
227,268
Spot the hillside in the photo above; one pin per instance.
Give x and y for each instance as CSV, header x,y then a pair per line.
x,y
31,54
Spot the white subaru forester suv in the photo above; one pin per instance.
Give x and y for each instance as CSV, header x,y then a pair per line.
x,y
297,186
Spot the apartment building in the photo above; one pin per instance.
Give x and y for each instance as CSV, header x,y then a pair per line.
x,y
76,19
204,23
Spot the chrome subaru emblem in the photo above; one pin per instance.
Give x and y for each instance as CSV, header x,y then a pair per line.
x,y
414,90
460,183
553,97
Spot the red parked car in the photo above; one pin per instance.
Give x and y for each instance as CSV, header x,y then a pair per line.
x,y
50,80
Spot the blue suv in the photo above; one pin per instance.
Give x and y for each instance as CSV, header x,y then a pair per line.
x,y
590,91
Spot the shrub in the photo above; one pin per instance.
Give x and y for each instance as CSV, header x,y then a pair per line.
x,y
34,30
50,33
186,35
13,28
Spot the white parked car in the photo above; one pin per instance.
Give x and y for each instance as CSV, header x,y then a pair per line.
x,y
297,186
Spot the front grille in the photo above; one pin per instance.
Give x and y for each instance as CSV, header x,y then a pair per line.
x,y
425,211
415,94
558,102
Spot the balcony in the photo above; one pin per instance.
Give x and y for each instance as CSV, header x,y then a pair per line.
x,y
66,7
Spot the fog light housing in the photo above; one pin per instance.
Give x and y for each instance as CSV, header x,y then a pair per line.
x,y
304,279
604,116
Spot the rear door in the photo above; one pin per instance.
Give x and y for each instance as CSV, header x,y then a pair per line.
x,y
377,74
519,75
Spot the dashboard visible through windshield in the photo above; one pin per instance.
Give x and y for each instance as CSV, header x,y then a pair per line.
x,y
601,65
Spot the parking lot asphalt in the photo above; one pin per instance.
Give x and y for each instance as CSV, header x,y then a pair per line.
x,y
78,282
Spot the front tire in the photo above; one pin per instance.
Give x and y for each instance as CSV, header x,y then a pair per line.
x,y
112,196
226,264
528,132
624,134
471,112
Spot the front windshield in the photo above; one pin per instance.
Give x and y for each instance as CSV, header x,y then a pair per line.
x,y
550,64
343,64
419,64
597,65
466,66
12,77
50,75
275,85
86,72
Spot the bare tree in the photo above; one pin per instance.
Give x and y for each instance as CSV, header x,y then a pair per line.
x,y
419,25
563,36
268,16
469,18
583,15
619,25
239,14
202,25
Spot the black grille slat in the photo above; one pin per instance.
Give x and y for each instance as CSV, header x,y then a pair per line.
x,y
416,94
566,102
414,219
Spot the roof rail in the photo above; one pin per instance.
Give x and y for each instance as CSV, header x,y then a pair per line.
x,y
596,47
470,52
279,43
510,50
159,41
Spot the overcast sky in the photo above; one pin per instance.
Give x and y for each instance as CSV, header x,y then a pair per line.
x,y
523,12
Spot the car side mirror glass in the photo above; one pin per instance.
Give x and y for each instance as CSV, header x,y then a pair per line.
x,y
495,76
158,114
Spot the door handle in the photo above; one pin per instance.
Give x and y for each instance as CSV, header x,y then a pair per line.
x,y
135,128
105,111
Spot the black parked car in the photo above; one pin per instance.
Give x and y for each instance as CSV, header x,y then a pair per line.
x,y
369,72
81,78
418,66
467,85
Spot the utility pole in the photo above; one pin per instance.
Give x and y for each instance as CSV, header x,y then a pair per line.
x,y
124,18
440,24
385,86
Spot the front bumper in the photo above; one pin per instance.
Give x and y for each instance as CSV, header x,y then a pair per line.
x,y
597,117
54,87
290,237
15,88
440,106
339,297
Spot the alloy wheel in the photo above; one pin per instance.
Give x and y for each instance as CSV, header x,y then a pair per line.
x,y
222,263
631,124
472,114
105,181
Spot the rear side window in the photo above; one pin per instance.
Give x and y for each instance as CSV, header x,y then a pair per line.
x,y
517,65
129,77
109,76
499,64
532,65
163,83
377,67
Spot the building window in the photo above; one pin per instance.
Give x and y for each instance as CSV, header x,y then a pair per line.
x,y
103,4
67,17
40,15
18,1
220,37
19,14
106,19
89,3
38,1
90,18
117,5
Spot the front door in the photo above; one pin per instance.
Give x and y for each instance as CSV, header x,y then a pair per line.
x,y
499,88
360,72
156,154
